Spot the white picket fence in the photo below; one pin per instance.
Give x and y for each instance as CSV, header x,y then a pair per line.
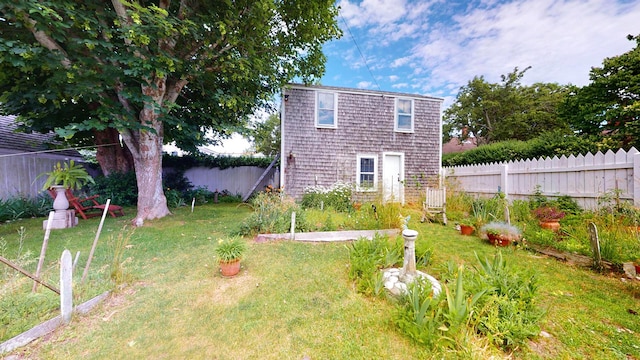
x,y
585,178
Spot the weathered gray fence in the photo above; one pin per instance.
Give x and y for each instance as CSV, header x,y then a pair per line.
x,y
585,178
237,180
19,174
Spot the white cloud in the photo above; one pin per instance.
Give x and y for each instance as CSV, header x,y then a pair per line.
x,y
372,11
400,62
561,40
436,47
400,86
364,85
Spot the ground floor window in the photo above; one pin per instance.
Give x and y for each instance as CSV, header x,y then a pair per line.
x,y
367,171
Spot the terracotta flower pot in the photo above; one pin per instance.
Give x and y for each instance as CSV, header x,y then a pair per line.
x,y
231,268
551,225
466,229
498,240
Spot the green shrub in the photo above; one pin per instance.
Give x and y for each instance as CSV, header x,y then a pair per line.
x,y
222,162
226,197
121,188
23,207
175,180
547,145
201,194
174,198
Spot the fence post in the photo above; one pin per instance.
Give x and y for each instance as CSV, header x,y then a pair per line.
x,y
504,180
636,179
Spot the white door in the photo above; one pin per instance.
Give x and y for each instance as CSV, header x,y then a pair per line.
x,y
393,177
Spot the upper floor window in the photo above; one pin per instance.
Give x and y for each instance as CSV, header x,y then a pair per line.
x,y
404,115
326,109
367,170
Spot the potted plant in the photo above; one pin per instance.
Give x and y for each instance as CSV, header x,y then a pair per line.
x,y
229,253
466,226
65,176
68,175
549,217
501,233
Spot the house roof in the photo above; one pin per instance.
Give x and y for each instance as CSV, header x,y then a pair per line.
x,y
12,142
455,145
364,91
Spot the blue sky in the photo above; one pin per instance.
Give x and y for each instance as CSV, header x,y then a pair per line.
x,y
434,47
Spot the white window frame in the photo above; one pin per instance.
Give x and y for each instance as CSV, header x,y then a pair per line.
x,y
359,186
335,110
397,116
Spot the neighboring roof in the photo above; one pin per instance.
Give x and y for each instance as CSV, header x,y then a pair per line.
x,y
455,145
363,91
16,142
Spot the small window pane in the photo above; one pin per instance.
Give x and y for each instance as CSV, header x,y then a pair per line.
x,y
404,122
404,106
325,117
366,165
325,100
366,180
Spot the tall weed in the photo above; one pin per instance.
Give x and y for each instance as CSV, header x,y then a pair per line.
x,y
492,300
508,314
367,257
272,214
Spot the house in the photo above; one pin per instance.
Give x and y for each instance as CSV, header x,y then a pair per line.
x,y
456,145
23,156
383,143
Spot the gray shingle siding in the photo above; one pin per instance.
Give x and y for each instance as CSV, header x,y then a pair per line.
x,y
365,126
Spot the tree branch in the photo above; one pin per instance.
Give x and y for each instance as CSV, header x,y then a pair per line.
x,y
47,41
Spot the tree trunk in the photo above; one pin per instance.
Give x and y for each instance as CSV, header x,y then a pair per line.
x,y
112,158
152,204
146,145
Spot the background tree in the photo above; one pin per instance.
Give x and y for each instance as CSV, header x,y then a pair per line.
x,y
265,136
609,105
150,69
507,110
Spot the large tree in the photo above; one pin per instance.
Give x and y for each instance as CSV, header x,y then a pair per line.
x,y
265,135
148,69
609,105
505,111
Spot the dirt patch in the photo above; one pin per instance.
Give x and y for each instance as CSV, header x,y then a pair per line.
x,y
545,346
227,291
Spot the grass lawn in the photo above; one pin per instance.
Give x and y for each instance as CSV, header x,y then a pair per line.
x,y
290,300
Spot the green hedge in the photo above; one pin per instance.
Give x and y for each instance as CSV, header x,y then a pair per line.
x,y
547,145
222,162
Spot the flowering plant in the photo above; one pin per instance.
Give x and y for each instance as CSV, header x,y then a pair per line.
x,y
548,213
509,231
231,249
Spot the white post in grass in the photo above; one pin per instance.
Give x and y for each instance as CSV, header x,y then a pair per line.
x,y
43,252
95,241
193,203
75,260
293,225
66,293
